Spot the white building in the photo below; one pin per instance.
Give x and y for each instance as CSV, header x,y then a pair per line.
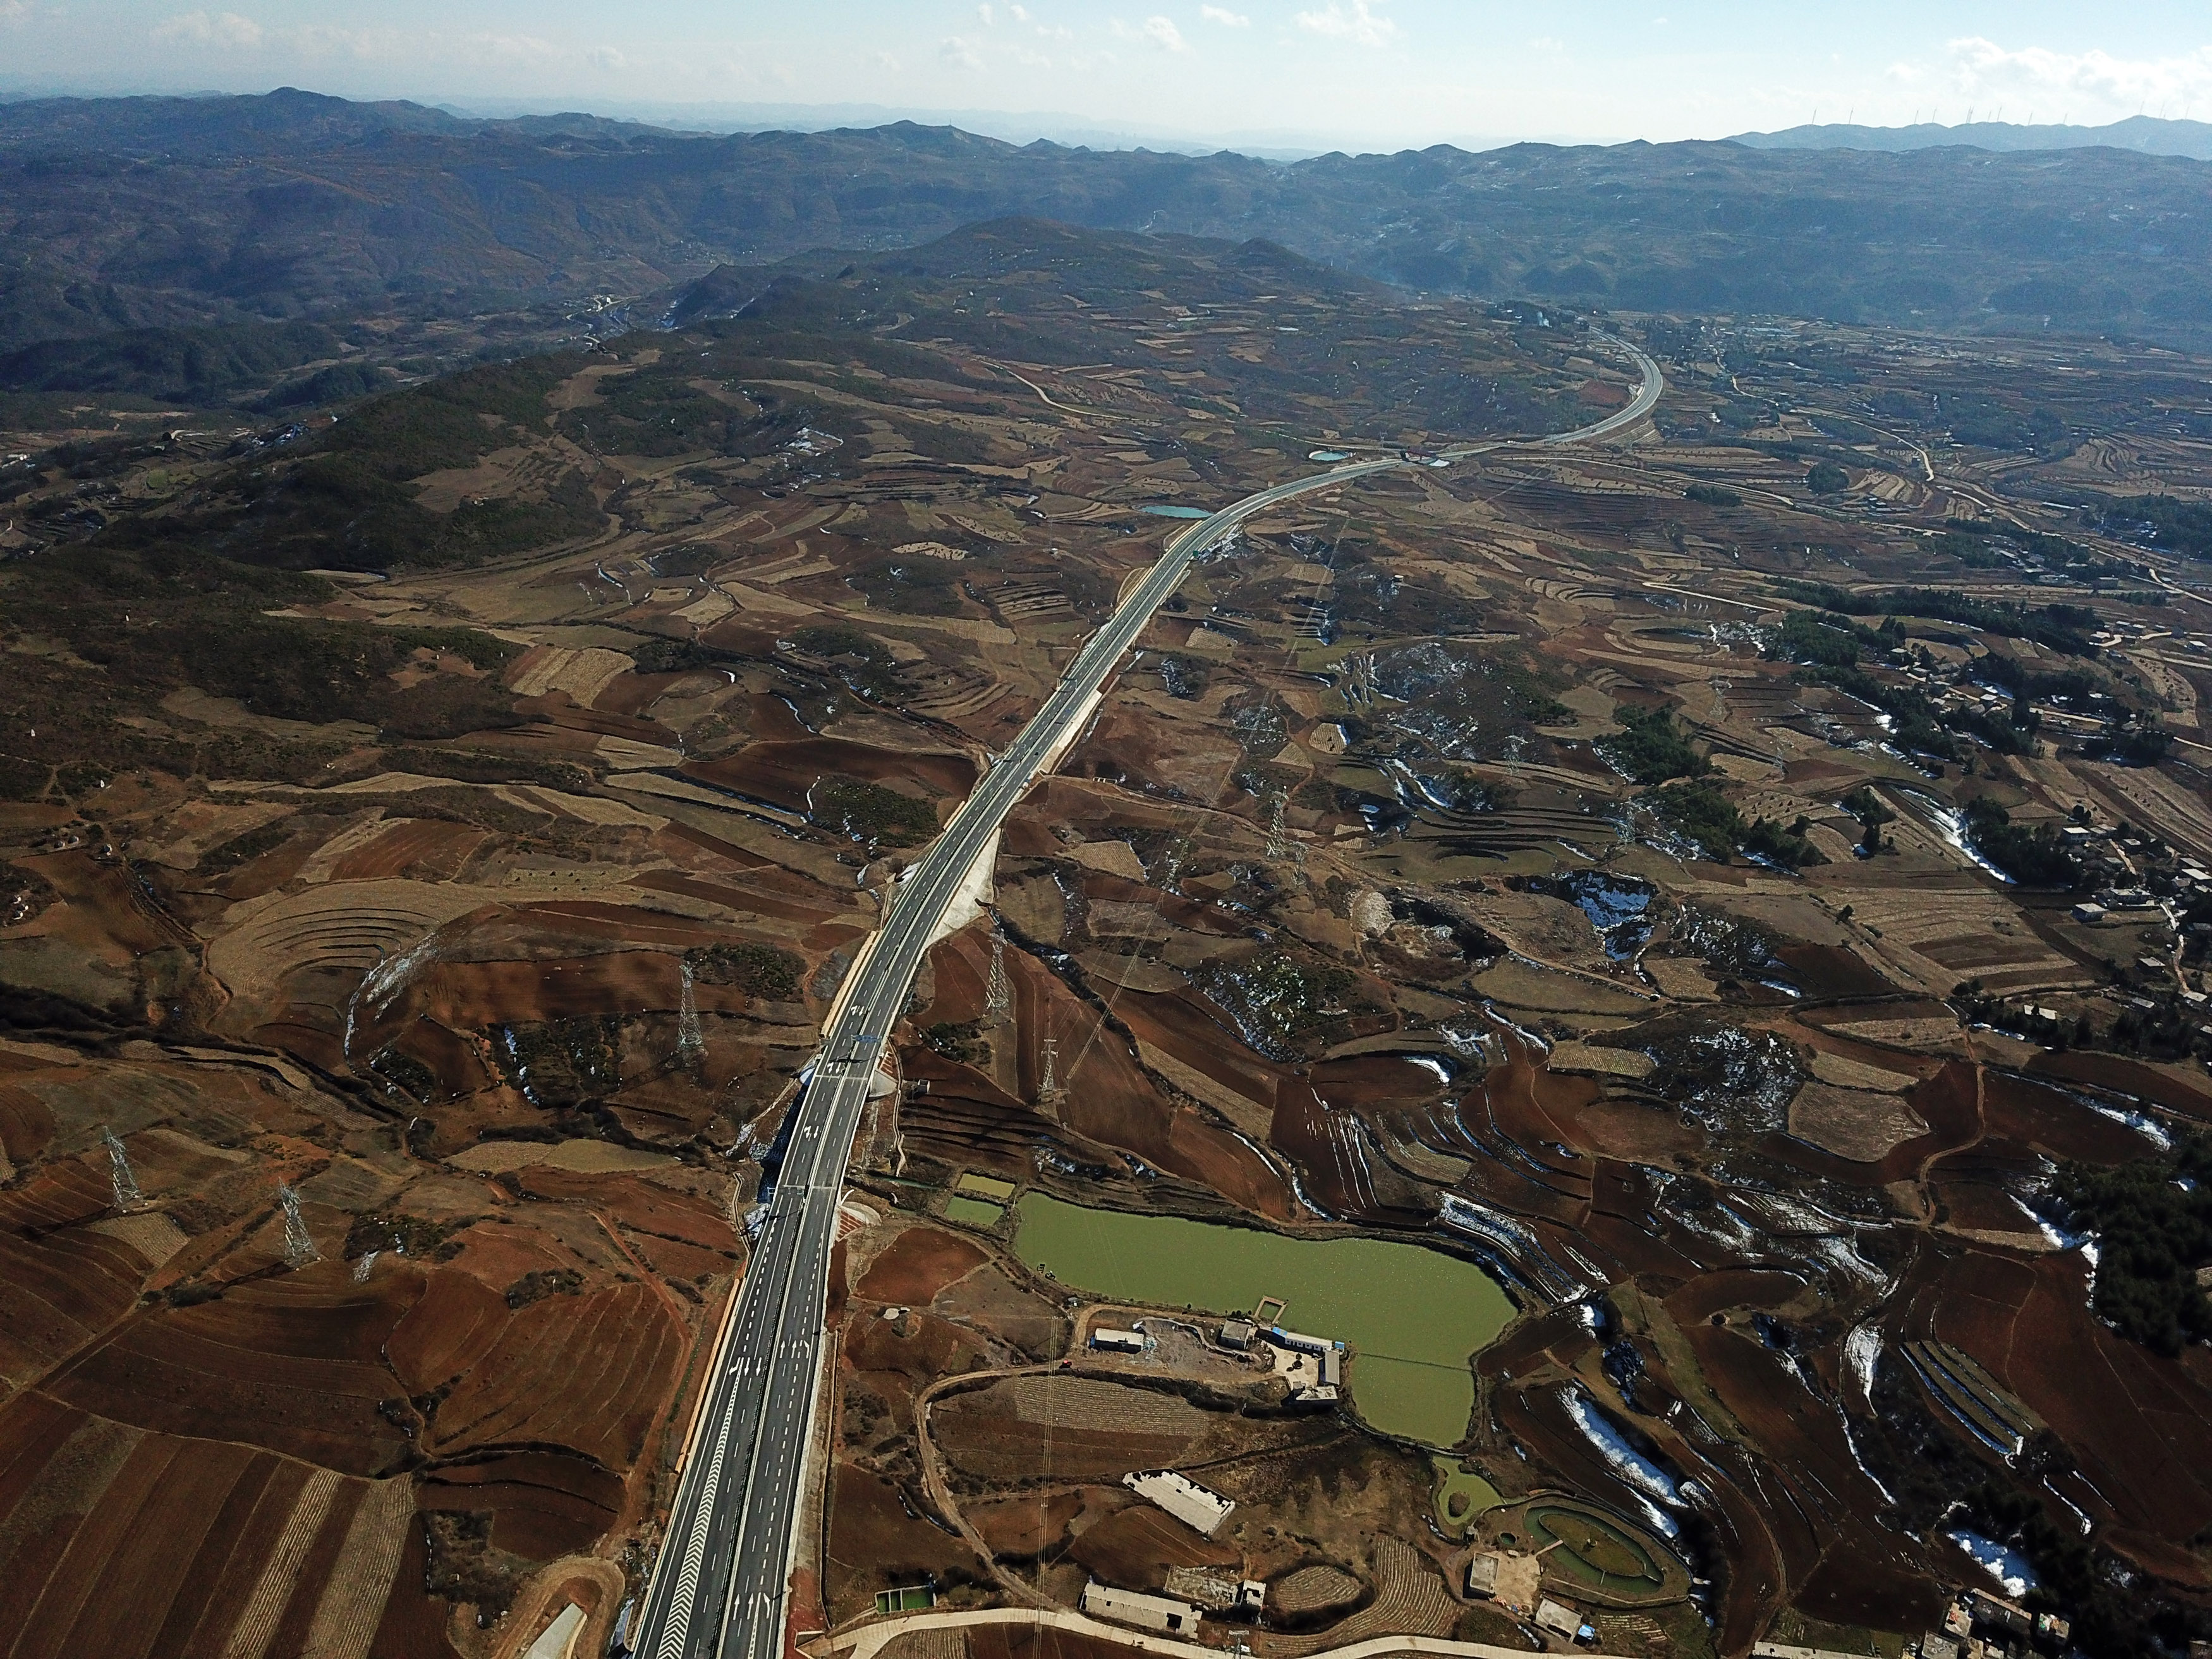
x,y
1201,1510
1135,1607
1118,1341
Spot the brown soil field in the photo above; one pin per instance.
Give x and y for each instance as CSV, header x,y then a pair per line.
x,y
1816,1517
981,1443
1854,1124
899,1367
2048,1122
2129,1077
1023,1529
1333,1149
543,1504
618,1350
241,1552
1135,1548
469,996
875,1543
300,1357
61,1283
434,847
988,1300
1035,1642
1108,1099
2028,1323
783,772
644,1205
1065,1401
917,1264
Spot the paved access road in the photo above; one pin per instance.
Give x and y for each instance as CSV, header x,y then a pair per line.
x,y
721,1583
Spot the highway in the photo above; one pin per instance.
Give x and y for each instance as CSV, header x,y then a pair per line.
x,y
1646,400
720,1582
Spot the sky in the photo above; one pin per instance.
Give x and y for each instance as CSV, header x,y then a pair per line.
x,y
1297,74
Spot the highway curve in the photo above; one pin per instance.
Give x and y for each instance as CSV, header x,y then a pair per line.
x,y
720,1582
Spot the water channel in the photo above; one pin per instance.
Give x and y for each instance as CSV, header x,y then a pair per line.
x,y
1413,1315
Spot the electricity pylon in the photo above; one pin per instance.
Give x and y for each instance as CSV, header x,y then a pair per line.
x,y
127,1195
998,990
689,1042
299,1243
1048,1085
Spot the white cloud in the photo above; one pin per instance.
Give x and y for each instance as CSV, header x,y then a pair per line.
x,y
2090,81
1225,17
961,54
1155,31
1360,25
1019,14
983,15
1547,43
15,11
605,57
223,29
885,61
514,48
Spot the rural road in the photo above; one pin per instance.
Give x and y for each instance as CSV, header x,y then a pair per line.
x,y
719,1587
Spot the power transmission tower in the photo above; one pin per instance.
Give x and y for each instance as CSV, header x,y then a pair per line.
x,y
1049,1087
1279,841
127,1195
998,992
690,1044
299,1243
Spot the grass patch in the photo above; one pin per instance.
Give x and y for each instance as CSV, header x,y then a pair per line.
x,y
759,970
870,813
1652,749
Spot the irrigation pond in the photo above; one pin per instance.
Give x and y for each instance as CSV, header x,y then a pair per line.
x,y
1412,1316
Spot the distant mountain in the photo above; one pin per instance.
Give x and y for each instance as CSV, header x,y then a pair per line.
x,y
263,125
223,212
2146,134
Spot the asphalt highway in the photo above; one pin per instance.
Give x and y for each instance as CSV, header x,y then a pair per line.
x,y
721,1583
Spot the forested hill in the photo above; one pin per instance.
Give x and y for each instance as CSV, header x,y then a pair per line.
x,y
183,212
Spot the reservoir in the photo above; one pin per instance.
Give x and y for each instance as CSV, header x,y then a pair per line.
x,y
1414,1316
1178,511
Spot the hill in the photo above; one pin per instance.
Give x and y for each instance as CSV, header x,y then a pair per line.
x,y
2148,134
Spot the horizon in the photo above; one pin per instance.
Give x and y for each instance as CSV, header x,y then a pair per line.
x,y
1303,76
1022,127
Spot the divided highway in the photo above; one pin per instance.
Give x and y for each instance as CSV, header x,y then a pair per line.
x,y
720,1585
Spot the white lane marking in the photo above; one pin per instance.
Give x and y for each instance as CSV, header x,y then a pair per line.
x,y
686,1590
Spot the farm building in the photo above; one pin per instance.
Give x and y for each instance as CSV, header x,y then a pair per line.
x,y
1118,1341
1134,1607
1562,1621
1201,1510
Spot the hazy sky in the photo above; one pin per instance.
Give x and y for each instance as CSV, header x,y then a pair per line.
x,y
1354,72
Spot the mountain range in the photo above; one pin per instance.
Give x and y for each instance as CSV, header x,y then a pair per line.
x,y
123,216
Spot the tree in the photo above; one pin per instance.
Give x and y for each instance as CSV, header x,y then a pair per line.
x,y
1826,478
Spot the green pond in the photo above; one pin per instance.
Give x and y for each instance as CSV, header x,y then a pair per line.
x,y
973,1212
1412,1315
